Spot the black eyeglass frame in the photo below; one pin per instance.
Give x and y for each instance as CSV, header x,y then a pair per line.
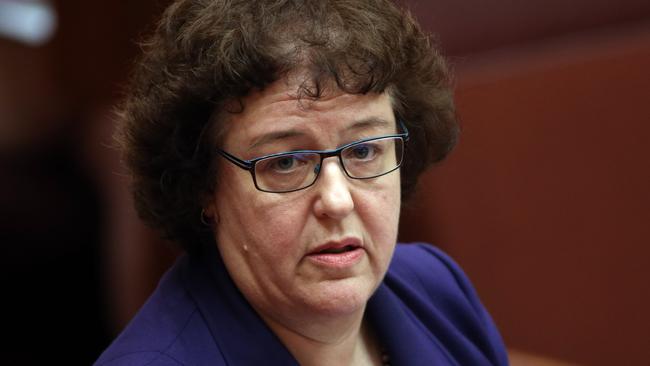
x,y
250,164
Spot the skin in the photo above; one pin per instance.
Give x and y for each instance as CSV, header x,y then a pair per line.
x,y
264,238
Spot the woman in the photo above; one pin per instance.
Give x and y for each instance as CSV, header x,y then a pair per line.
x,y
274,141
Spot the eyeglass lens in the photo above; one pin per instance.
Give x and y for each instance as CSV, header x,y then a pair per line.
x,y
363,160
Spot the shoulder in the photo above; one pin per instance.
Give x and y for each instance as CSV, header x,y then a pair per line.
x,y
168,330
422,259
430,270
437,291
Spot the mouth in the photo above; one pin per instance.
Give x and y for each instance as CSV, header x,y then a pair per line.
x,y
338,247
339,250
338,254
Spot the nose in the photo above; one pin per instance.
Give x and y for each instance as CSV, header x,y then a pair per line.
x,y
334,197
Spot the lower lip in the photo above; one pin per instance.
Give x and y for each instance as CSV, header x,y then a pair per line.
x,y
338,260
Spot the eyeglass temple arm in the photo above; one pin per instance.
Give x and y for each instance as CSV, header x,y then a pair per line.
x,y
403,127
247,165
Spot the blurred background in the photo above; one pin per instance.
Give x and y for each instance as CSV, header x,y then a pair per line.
x,y
545,202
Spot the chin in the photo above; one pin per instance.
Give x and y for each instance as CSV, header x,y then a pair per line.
x,y
342,297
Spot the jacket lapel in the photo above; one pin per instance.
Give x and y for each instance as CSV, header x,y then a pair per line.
x,y
405,339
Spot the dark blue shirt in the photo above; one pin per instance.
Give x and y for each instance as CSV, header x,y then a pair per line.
x,y
425,312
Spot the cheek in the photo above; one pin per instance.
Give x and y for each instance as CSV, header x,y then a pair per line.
x,y
388,201
379,210
269,228
280,229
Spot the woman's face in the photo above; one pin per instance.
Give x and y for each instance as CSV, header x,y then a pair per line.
x,y
272,243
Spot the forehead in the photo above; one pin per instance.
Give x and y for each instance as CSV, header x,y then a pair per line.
x,y
280,109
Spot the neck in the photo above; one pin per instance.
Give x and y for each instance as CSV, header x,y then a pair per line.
x,y
342,341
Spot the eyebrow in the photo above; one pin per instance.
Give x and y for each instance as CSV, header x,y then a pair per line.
x,y
369,122
275,136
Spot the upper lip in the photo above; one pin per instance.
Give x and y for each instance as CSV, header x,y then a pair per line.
x,y
337,244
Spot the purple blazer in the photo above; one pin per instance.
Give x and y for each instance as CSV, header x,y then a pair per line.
x,y
425,312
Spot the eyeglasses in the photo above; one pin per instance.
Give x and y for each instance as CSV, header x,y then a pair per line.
x,y
295,170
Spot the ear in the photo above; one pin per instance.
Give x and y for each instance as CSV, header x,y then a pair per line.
x,y
209,209
209,216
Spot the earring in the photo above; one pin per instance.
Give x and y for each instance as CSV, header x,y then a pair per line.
x,y
205,219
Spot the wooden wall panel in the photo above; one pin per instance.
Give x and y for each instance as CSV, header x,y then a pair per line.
x,y
545,202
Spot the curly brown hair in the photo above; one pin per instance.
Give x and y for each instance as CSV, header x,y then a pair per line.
x,y
204,54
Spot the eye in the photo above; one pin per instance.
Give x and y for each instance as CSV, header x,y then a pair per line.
x,y
365,151
284,163
361,152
